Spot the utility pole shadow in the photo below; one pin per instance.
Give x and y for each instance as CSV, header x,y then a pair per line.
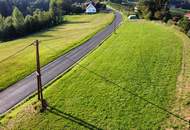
x,y
72,118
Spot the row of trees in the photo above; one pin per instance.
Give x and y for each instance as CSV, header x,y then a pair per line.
x,y
29,6
154,9
184,23
20,23
17,25
25,6
150,9
158,10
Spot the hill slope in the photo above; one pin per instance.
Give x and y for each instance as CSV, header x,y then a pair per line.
x,y
63,38
142,57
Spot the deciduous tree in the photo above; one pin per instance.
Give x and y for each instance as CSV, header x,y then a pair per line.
x,y
18,21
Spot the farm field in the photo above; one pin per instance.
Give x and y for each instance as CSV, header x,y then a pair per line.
x,y
142,57
63,38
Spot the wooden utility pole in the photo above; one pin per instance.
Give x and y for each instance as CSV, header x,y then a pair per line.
x,y
38,73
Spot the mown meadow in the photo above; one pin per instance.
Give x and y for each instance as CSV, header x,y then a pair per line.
x,y
76,30
142,57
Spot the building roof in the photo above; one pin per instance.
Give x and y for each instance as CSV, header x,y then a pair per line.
x,y
187,15
90,8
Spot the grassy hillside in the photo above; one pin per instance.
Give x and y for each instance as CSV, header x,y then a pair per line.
x,y
78,29
142,57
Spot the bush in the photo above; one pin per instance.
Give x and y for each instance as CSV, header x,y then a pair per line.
x,y
77,10
158,15
166,16
99,6
188,33
148,16
184,23
170,22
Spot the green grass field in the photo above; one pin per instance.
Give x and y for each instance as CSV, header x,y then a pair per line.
x,y
142,57
78,29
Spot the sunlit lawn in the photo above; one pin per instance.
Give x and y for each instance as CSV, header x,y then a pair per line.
x,y
142,57
78,29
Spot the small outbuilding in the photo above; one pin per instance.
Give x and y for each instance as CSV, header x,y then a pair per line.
x,y
187,15
91,9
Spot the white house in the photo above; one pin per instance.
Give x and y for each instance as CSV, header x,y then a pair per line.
x,y
90,9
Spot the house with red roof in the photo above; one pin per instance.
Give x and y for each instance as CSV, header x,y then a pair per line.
x,y
187,15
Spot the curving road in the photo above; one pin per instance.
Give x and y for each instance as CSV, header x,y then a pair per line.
x,y
24,88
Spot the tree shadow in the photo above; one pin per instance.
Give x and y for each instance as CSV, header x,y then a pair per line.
x,y
40,35
76,22
61,26
72,118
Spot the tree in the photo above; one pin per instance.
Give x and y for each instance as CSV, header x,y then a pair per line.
x,y
47,19
158,15
146,8
184,23
17,25
5,8
9,29
59,11
116,1
18,21
53,11
1,22
67,6
188,33
38,17
157,8
29,23
25,6
1,26
56,11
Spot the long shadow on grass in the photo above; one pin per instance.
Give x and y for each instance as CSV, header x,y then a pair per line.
x,y
76,22
72,118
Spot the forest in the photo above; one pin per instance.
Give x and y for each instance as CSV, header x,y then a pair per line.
x,y
22,17
25,6
17,24
29,6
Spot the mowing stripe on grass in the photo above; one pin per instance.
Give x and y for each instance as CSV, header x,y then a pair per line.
x,y
129,91
83,95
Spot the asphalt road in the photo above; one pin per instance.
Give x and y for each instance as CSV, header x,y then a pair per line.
x,y
24,88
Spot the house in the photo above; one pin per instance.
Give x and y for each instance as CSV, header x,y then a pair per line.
x,y
187,15
91,9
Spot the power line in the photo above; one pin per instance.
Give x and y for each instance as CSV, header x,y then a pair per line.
x,y
104,78
24,48
32,44
150,81
114,24
129,91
